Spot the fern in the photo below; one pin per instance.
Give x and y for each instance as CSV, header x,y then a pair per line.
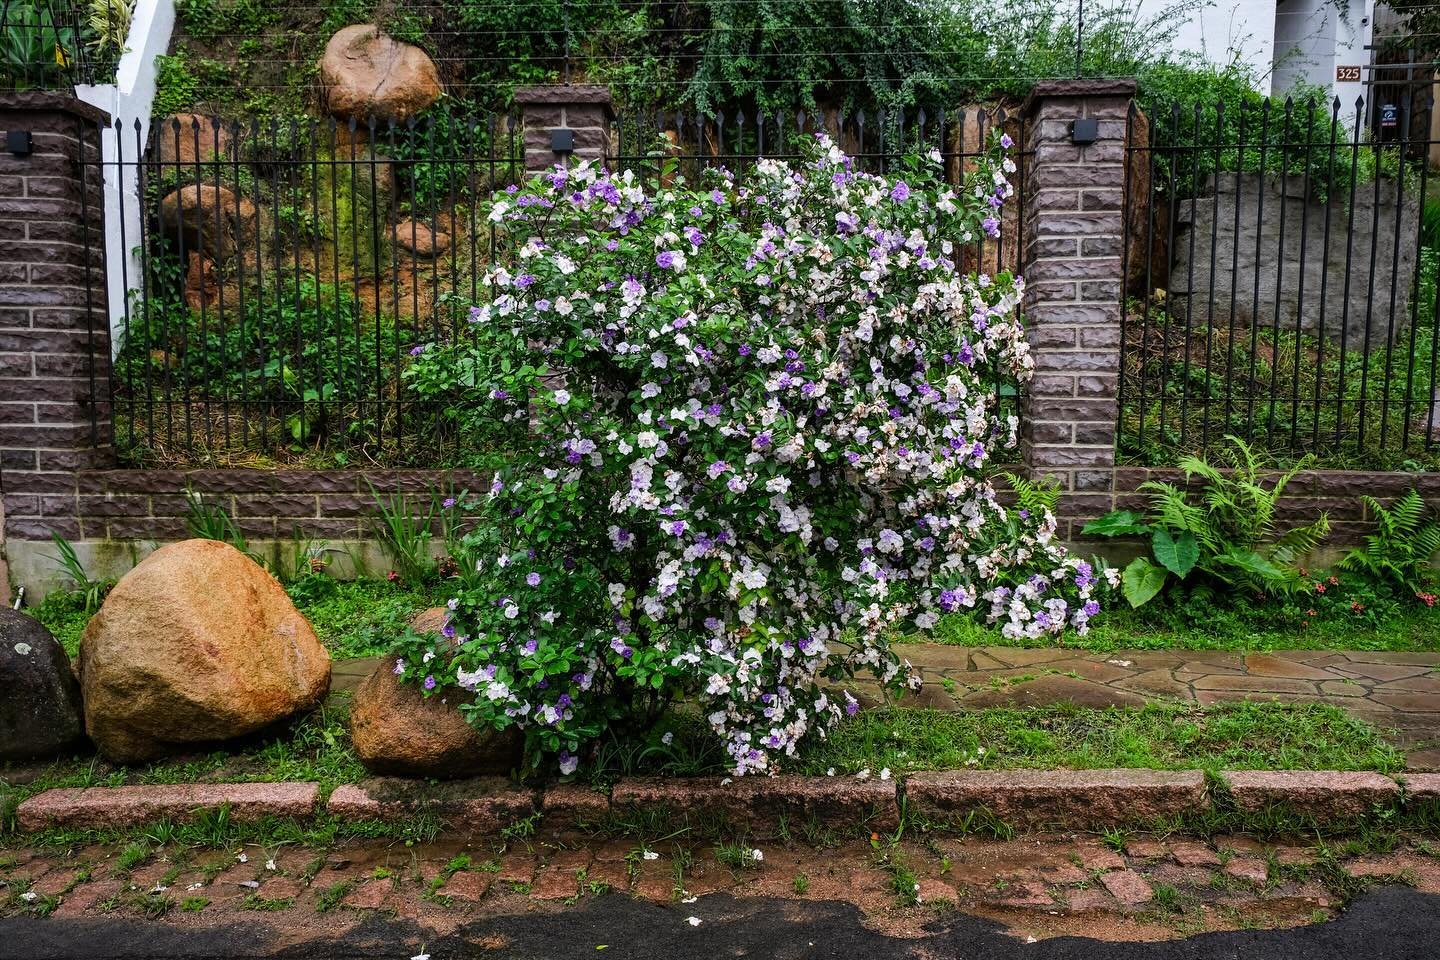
x,y
1226,530
1037,496
1399,552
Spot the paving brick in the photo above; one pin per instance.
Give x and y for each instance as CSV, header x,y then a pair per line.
x,y
1128,887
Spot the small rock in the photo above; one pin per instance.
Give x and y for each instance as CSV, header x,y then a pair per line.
x,y
1128,887
420,239
935,891
1089,900
468,886
367,73
397,730
40,712
1145,849
207,218
197,644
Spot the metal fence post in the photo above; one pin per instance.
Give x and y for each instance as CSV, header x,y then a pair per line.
x,y
1072,261
563,123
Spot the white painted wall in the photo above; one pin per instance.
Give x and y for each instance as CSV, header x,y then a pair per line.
x,y
127,100
1222,32
1314,37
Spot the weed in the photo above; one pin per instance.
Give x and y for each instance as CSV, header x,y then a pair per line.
x,y
255,901
1166,897
737,856
333,895
132,856
801,884
194,904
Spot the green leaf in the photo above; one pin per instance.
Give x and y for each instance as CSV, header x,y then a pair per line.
x,y
1117,523
1141,581
1177,556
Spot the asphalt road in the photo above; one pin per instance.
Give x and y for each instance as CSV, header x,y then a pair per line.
x,y
1386,924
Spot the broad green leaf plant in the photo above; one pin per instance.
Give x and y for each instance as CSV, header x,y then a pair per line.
x,y
1225,529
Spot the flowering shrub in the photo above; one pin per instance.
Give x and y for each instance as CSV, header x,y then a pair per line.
x,y
762,410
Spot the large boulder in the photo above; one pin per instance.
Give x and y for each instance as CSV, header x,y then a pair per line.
x,y
208,219
366,74
40,706
396,730
195,645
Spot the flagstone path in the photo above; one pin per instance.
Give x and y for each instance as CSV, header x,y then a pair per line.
x,y
1398,692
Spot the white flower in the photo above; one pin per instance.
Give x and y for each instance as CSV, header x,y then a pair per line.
x,y
693,921
756,855
29,896
269,864
885,774
651,855
562,397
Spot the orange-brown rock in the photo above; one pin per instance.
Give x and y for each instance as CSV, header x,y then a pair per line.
x,y
197,644
420,239
187,139
397,730
367,73
208,219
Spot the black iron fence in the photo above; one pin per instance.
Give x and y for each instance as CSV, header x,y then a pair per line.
x,y
55,44
283,272
1281,281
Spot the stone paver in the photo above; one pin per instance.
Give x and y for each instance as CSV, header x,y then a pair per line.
x,y
1128,887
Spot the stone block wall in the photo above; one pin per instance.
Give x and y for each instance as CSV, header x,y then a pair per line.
x,y
1261,248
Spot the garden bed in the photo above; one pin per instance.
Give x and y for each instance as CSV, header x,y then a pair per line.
x,y
886,743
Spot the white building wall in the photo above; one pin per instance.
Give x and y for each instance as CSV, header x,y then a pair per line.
x,y
1222,32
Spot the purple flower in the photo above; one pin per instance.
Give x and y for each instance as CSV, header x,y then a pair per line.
x,y
901,192
448,502
418,349
429,683
533,579
612,245
665,259
524,280
1006,142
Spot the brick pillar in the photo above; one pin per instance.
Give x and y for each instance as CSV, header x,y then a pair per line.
x,y
1074,231
54,326
581,114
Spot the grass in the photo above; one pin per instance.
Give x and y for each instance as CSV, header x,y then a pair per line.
x,y
353,618
1255,736
315,748
1158,626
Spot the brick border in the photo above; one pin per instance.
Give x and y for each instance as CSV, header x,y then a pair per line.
x,y
1033,799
